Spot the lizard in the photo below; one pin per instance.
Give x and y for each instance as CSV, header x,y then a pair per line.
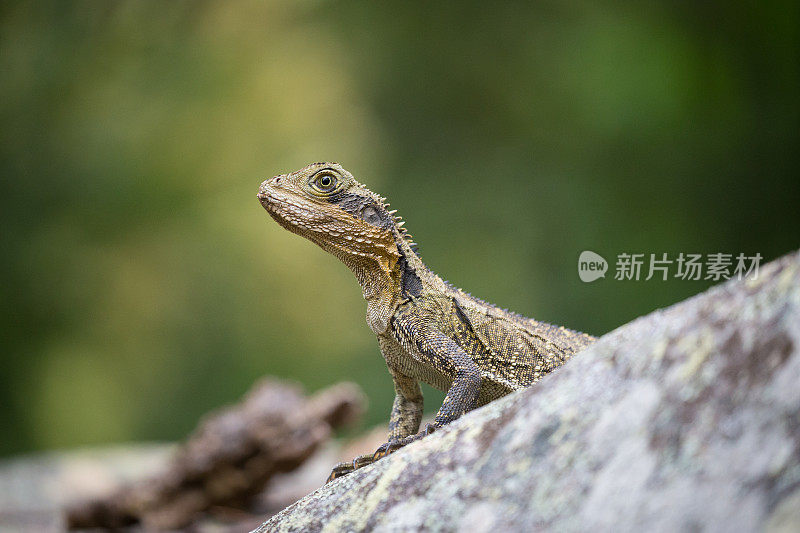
x,y
427,329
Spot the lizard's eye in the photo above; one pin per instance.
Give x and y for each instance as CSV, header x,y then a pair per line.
x,y
324,182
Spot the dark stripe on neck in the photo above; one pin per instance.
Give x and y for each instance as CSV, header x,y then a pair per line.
x,y
411,285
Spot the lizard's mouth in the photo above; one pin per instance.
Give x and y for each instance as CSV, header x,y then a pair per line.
x,y
265,201
264,195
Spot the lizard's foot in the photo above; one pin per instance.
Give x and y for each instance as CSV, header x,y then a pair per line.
x,y
394,445
342,469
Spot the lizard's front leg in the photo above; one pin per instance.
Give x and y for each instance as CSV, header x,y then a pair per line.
x,y
404,421
444,354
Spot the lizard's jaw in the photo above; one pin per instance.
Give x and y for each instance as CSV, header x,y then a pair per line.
x,y
282,205
265,192
282,212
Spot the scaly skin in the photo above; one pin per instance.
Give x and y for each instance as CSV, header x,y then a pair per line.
x,y
427,329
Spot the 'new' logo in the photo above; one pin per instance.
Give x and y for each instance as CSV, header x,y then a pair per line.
x,y
591,266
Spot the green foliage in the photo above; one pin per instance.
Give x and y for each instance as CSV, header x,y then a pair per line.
x,y
143,285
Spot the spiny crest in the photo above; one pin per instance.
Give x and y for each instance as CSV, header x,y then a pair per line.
x,y
397,219
400,224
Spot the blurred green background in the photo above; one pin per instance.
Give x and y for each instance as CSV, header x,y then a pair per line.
x,y
143,285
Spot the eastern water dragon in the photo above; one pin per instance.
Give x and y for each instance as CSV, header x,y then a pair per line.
x,y
427,329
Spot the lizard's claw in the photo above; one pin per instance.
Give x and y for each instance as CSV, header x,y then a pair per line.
x,y
429,428
386,449
394,445
342,469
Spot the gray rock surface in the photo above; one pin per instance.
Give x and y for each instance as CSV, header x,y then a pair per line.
x,y
684,420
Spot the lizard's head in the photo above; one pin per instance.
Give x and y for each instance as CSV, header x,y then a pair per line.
x,y
325,204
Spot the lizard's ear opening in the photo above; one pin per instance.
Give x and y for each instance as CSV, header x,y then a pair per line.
x,y
371,216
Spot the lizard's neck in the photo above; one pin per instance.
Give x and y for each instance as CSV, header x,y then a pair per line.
x,y
385,281
372,276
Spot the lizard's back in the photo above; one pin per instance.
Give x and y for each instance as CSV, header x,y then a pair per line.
x,y
511,351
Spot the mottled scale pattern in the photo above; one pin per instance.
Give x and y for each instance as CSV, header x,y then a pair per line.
x,y
510,351
427,329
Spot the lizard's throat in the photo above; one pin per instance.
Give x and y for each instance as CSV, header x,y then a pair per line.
x,y
375,274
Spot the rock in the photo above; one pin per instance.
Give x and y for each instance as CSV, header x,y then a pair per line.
x,y
686,419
